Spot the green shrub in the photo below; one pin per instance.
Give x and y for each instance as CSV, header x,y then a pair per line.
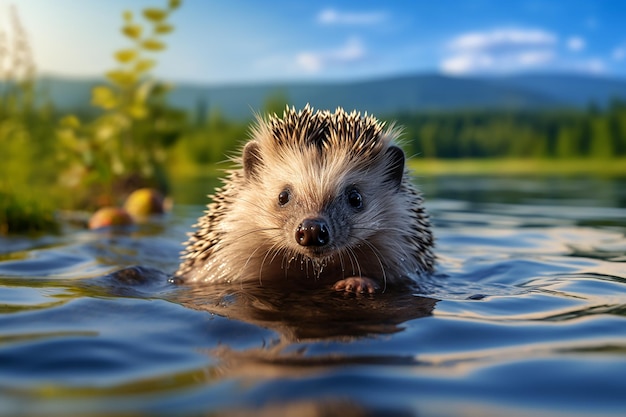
x,y
21,214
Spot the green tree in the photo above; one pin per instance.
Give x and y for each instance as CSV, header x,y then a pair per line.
x,y
427,137
275,103
601,140
566,146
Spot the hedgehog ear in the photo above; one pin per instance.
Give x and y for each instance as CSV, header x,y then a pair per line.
x,y
251,159
396,159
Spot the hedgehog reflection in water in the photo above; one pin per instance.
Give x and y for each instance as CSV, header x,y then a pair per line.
x,y
320,197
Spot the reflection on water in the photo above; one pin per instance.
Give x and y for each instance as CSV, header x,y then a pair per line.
x,y
526,315
300,314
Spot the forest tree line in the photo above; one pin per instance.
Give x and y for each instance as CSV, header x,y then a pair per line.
x,y
593,132
588,133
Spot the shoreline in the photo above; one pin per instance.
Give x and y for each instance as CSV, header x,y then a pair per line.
x,y
495,166
533,167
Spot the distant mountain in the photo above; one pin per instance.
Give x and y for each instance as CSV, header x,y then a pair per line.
x,y
570,89
381,96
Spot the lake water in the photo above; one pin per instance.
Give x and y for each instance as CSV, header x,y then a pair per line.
x,y
526,316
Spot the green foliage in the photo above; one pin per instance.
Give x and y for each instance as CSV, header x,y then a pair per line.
x,y
26,142
602,144
212,142
591,133
275,103
23,115
20,214
125,147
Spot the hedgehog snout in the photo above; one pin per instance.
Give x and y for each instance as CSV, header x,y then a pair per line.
x,y
312,232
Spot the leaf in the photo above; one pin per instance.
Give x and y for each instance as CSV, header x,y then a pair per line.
x,y
174,4
154,14
153,45
163,28
122,78
137,111
128,16
70,121
125,55
144,65
103,97
142,93
132,31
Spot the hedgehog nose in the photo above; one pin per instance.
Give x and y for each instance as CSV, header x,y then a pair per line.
x,y
312,232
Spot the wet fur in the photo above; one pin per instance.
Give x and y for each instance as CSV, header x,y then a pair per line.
x,y
246,235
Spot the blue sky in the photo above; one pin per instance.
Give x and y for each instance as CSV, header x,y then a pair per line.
x,y
244,41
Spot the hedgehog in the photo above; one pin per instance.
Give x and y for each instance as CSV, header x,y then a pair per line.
x,y
317,196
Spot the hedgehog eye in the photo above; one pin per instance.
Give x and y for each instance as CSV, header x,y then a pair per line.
x,y
284,197
355,199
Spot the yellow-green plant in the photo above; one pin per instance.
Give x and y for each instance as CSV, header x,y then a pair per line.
x,y
125,147
25,214
26,121
22,113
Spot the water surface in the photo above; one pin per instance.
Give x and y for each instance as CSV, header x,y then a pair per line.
x,y
526,315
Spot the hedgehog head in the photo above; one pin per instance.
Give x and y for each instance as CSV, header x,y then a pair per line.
x,y
325,183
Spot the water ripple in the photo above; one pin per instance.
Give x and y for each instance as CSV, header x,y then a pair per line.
x,y
526,315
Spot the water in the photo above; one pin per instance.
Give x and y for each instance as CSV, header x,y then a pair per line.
x,y
527,315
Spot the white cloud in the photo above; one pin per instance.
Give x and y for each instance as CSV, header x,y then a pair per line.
x,y
499,50
309,61
499,38
576,43
352,51
462,63
594,65
334,17
619,53
531,58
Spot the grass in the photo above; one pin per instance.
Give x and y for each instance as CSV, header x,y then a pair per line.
x,y
495,166
180,171
23,215
596,167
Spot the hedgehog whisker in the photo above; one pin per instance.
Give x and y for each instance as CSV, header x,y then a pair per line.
x,y
288,256
254,251
270,250
276,252
354,260
380,262
343,268
284,266
306,266
247,261
378,255
377,229
389,229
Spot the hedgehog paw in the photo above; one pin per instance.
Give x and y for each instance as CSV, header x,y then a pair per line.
x,y
358,285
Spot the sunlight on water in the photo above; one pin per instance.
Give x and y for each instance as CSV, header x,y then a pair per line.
x,y
525,315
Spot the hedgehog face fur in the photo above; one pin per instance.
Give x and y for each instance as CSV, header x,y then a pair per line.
x,y
319,195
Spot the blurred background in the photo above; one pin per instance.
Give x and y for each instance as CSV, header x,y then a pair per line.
x,y
101,97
